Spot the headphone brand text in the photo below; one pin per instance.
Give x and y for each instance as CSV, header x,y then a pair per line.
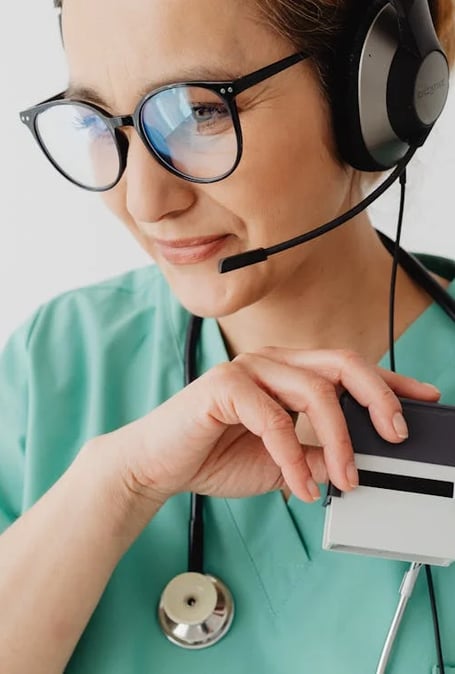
x,y
429,91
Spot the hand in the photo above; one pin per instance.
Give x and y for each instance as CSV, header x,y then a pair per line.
x,y
228,433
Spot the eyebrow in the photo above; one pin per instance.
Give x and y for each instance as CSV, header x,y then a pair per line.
x,y
217,74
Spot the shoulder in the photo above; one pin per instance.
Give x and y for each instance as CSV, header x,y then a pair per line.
x,y
107,311
91,360
104,329
139,288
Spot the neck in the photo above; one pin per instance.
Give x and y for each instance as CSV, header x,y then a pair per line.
x,y
337,299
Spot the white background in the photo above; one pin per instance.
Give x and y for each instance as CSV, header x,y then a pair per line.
x,y
54,236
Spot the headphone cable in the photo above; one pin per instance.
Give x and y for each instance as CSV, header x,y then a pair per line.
x,y
392,294
434,613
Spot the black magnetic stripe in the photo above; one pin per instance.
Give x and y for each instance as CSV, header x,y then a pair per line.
x,y
417,485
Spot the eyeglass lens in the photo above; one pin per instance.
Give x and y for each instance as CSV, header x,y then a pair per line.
x,y
80,143
190,128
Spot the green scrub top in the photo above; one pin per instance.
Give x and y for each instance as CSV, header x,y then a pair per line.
x,y
96,358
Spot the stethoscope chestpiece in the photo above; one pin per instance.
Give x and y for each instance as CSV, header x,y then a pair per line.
x,y
196,610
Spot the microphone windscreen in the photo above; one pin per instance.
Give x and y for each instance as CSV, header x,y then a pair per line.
x,y
242,260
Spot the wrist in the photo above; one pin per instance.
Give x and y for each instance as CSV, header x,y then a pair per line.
x,y
130,508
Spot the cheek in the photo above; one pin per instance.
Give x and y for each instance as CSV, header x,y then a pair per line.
x,y
298,162
115,201
288,180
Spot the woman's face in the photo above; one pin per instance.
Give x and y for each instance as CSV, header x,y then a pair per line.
x,y
288,180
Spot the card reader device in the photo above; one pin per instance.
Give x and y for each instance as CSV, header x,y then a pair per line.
x,y
404,507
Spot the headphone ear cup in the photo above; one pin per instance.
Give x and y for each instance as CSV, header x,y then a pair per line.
x,y
361,67
390,80
417,92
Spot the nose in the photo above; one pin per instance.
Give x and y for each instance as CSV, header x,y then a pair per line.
x,y
152,192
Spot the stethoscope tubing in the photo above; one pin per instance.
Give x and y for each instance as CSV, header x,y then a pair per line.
x,y
196,524
196,610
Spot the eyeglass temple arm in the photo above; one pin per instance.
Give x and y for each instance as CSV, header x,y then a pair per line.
x,y
56,97
263,73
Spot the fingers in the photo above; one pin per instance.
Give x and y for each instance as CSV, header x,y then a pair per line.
x,y
315,460
307,392
408,387
240,400
275,379
373,387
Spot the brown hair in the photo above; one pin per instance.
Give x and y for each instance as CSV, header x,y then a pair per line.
x,y
315,26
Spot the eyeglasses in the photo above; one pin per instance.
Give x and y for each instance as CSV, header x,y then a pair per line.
x,y
191,128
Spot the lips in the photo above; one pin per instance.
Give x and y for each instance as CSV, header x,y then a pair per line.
x,y
188,243
192,250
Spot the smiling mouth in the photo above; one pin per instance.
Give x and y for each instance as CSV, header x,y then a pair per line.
x,y
190,251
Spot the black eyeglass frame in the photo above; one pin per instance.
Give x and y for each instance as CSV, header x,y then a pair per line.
x,y
226,90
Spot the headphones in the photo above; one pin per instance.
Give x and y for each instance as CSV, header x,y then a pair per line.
x,y
389,82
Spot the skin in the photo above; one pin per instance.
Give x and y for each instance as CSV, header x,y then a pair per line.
x,y
300,328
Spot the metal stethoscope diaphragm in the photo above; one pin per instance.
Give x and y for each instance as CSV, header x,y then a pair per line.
x,y
196,609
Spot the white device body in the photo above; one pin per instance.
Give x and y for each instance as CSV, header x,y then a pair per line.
x,y
402,525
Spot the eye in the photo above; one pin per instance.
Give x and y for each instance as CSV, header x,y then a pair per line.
x,y
208,113
90,122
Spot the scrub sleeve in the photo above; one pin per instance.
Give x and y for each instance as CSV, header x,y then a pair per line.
x,y
13,424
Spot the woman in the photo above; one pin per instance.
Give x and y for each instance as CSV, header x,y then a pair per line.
x,y
100,444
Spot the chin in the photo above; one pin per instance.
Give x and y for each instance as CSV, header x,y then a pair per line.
x,y
211,299
209,307
204,292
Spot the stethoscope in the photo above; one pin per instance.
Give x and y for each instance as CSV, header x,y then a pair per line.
x,y
197,609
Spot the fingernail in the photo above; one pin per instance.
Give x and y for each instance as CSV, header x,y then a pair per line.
x,y
432,387
313,489
400,425
352,474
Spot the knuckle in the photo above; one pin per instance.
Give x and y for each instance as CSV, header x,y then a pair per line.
x,y
300,464
350,358
321,388
267,350
220,371
279,420
241,359
223,374
388,397
345,448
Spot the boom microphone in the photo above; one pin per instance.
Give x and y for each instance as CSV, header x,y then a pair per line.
x,y
261,254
